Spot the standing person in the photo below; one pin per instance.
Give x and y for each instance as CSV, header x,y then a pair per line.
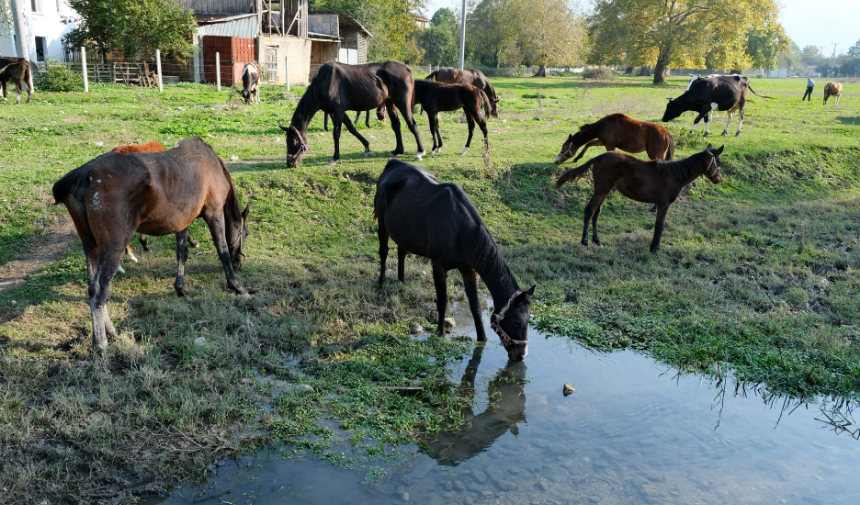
x,y
809,85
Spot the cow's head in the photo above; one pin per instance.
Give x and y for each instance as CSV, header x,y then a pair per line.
x,y
673,110
246,94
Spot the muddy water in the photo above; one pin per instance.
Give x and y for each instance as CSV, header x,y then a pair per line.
x,y
632,432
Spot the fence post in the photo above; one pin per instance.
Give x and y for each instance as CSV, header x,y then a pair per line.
x,y
218,70
84,69
158,66
287,71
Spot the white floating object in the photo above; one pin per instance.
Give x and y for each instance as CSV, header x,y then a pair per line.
x,y
14,302
234,158
99,144
200,341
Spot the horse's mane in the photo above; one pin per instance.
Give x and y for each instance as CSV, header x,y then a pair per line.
x,y
488,259
681,169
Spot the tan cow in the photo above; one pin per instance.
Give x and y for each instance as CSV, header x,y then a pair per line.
x,y
833,89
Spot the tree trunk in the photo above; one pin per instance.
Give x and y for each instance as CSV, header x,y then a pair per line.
x,y
645,71
541,71
660,69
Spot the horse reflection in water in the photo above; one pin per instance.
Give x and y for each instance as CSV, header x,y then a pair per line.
x,y
505,409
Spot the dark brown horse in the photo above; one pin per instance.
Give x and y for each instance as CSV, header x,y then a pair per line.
x,y
618,131
338,88
18,73
474,77
149,147
657,182
436,97
114,195
439,222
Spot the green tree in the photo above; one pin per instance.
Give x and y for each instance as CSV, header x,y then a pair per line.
x,y
134,29
445,17
854,50
676,33
439,45
553,34
6,20
810,55
494,29
764,46
389,21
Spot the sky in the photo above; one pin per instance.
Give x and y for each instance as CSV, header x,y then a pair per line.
x,y
817,23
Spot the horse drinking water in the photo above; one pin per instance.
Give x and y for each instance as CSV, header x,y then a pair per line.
x,y
439,222
657,182
114,195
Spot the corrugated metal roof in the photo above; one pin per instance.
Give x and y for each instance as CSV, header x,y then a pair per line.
x,y
235,26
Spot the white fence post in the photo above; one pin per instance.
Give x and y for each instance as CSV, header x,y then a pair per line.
x,y
218,70
84,67
158,66
287,71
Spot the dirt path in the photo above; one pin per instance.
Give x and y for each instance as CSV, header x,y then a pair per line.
x,y
44,249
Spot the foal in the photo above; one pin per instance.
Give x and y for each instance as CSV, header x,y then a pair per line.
x,y
436,97
657,182
618,131
439,222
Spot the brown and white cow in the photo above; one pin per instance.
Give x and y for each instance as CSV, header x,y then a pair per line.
x,y
833,89
19,73
252,76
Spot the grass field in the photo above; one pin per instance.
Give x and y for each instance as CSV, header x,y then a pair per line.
x,y
757,275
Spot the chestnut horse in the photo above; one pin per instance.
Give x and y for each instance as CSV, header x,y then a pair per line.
x,y
474,77
436,97
653,181
114,195
618,131
150,147
439,222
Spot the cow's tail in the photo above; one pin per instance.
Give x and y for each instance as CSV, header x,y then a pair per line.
x,y
575,173
432,77
486,103
763,96
670,153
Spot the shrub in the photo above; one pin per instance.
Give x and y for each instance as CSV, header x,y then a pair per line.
x,y
59,77
600,73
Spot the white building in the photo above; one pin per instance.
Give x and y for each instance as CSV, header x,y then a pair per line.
x,y
45,29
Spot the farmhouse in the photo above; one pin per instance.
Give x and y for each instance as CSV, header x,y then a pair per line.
x,y
43,30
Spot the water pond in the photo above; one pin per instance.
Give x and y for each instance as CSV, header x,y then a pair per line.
x,y
632,432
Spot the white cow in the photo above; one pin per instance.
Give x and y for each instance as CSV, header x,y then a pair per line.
x,y
252,76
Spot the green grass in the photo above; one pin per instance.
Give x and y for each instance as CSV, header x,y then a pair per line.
x,y
757,275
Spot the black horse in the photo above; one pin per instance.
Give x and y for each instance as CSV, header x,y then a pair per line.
x,y
439,222
436,97
338,88
380,115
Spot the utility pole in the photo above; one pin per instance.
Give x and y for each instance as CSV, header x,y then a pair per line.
x,y
22,40
463,36
834,50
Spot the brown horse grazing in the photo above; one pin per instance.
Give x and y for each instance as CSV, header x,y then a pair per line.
x,y
114,195
150,147
657,182
618,131
339,87
19,73
436,97
833,89
439,222
474,77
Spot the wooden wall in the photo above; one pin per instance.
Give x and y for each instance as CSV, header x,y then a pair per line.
x,y
219,6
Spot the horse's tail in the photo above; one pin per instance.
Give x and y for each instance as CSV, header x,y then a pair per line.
x,y
575,173
432,77
670,153
73,183
486,103
756,94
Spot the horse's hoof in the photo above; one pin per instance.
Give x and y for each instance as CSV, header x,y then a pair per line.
x,y
182,294
331,162
120,269
464,151
368,154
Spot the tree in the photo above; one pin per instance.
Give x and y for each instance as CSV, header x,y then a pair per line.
x,y
6,20
134,29
810,55
764,46
854,50
676,33
389,21
494,29
553,34
439,45
445,17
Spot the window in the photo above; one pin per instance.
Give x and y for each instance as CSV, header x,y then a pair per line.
x,y
36,6
41,48
59,6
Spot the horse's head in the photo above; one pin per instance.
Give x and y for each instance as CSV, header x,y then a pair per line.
x,y
296,146
511,323
237,231
568,149
714,172
494,106
673,110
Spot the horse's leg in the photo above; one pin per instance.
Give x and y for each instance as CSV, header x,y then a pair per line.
x,y
192,242
589,211
471,123
401,264
395,125
382,233
482,124
144,242
440,281
215,221
433,121
130,253
406,109
181,257
337,119
325,121
470,282
590,143
662,209
366,118
436,131
99,287
352,129
594,237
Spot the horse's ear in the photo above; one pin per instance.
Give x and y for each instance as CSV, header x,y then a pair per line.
x,y
245,212
719,151
531,291
671,99
285,128
709,148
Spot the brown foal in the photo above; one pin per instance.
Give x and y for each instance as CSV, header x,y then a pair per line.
x,y
618,131
657,182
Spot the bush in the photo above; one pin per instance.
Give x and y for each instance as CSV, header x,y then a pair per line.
x,y
59,77
600,73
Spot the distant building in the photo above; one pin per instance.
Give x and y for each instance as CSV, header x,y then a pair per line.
x,y
421,21
45,30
